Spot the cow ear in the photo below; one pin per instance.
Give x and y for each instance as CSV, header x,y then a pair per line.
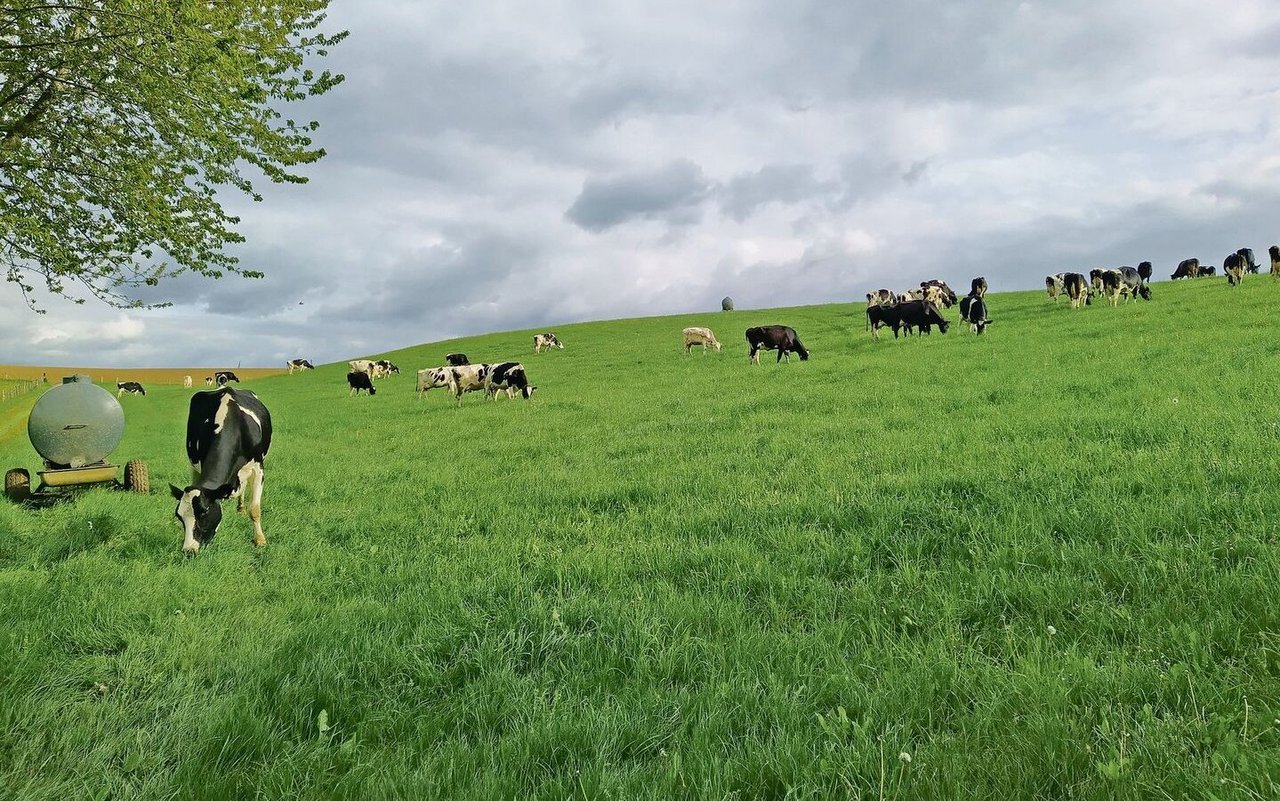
x,y
221,492
175,492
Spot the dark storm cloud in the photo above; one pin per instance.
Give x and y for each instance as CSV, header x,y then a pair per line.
x,y
772,183
672,194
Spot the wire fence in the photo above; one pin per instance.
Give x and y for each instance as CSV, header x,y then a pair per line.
x,y
17,387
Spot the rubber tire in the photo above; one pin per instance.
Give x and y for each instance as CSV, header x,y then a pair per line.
x,y
136,478
17,485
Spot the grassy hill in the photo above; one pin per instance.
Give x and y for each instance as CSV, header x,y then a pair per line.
x,y
1039,563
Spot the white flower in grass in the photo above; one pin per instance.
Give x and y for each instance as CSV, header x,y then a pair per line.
x,y
1052,631
904,757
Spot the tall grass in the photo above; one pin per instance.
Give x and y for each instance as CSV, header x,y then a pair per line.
x,y
1038,563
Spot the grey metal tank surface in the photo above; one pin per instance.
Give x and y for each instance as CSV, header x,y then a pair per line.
x,y
76,423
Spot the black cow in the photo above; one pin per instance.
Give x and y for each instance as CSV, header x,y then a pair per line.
x,y
299,364
456,359
978,287
1187,268
132,387
509,377
1077,288
1274,252
919,314
1250,265
781,338
222,377
973,310
359,380
1234,267
228,436
1144,271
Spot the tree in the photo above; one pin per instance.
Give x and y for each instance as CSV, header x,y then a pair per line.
x,y
121,119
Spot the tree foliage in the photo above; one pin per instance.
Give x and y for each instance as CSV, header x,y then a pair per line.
x,y
121,119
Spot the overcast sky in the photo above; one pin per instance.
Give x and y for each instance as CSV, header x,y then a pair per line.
x,y
495,166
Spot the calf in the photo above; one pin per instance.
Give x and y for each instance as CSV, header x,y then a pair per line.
x,y
223,377
1144,271
132,387
696,335
470,378
1187,268
973,310
228,436
1234,267
509,377
547,340
1054,286
299,364
186,382
456,359
1250,266
1274,252
781,338
1077,289
359,380
434,377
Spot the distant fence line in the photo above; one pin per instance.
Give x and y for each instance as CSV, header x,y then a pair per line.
x,y
22,387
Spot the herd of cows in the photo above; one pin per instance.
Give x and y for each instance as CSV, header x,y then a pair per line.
x,y
229,429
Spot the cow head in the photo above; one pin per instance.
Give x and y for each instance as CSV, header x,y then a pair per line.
x,y
1144,292
200,513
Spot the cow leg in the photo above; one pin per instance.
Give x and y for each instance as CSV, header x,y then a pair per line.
x,y
255,506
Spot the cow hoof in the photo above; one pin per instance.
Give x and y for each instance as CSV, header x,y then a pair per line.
x,y
191,551
260,542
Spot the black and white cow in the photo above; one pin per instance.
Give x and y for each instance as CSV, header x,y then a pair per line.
x,y
948,295
547,340
359,380
132,387
881,297
434,377
1234,266
781,338
919,314
1054,287
978,287
223,377
1144,271
228,436
383,368
1250,265
509,377
1095,280
1187,268
1077,288
1208,271
456,359
470,378
1131,284
973,310
1274,252
208,381
299,364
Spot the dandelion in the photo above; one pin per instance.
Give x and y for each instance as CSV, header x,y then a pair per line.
x,y
904,757
1052,631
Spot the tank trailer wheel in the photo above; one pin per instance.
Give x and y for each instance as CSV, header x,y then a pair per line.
x,y
17,485
135,477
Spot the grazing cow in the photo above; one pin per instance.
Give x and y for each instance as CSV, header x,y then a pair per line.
x,y
1208,271
978,287
881,316
973,310
547,340
470,378
132,387
1124,281
697,335
223,377
919,314
228,436
299,364
433,377
1053,285
1095,280
1144,271
1187,268
186,382
1250,265
1274,252
1077,288
359,380
383,368
781,338
509,377
948,295
456,359
1234,267
362,365
208,381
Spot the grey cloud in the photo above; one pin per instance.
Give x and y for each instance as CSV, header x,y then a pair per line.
x,y
772,183
672,194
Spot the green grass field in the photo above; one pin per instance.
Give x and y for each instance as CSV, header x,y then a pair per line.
x,y
1041,563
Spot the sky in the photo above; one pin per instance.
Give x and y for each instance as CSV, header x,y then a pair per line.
x,y
496,166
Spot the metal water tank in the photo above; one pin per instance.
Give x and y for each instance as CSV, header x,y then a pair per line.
x,y
76,423
726,304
